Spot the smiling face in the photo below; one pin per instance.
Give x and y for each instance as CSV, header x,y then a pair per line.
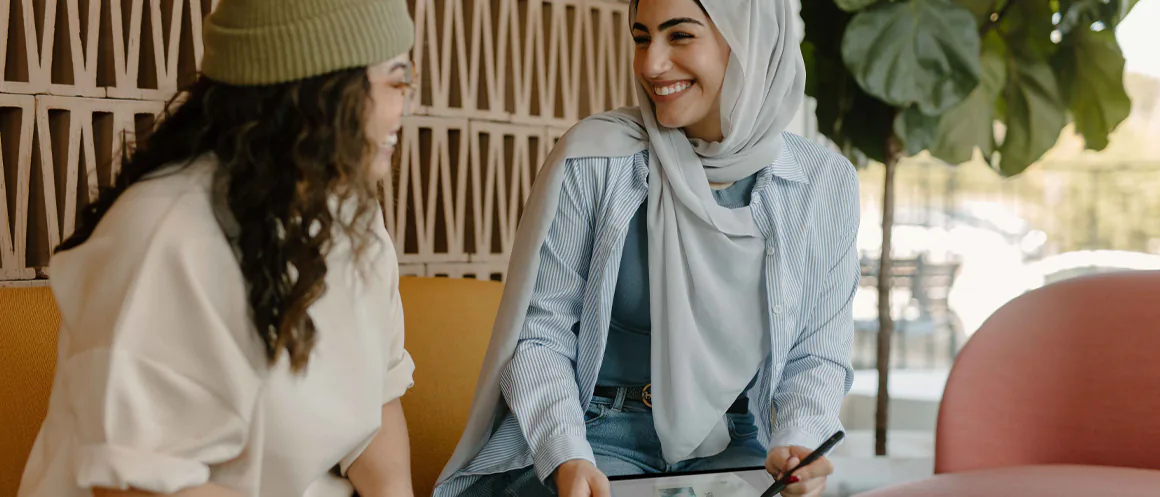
x,y
680,60
390,85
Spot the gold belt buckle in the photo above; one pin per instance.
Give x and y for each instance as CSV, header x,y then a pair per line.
x,y
646,395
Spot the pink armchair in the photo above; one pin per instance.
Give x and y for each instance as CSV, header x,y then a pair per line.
x,y
1058,393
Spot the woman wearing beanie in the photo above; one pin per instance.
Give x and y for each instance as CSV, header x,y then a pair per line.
x,y
230,316
683,271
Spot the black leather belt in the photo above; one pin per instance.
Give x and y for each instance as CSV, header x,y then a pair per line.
x,y
644,395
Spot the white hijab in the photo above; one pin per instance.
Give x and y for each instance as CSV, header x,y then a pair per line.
x,y
708,305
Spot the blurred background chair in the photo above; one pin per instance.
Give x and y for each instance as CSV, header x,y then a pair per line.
x,y
1057,394
927,332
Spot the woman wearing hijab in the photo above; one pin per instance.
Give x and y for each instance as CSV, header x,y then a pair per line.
x,y
230,317
683,271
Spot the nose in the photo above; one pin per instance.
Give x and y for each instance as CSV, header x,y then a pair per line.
x,y
656,61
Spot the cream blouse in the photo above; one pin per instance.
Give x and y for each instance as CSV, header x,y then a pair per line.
x,y
162,382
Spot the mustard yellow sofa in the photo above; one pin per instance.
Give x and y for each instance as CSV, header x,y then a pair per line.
x,y
448,326
28,330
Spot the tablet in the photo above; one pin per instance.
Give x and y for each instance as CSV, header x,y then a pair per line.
x,y
737,482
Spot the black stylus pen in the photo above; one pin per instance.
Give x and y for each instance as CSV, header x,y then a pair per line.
x,y
780,485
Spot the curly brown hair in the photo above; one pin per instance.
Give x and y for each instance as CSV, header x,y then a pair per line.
x,y
287,150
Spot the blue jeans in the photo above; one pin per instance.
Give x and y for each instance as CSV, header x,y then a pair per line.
x,y
625,442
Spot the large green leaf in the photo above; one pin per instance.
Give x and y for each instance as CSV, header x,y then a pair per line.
x,y
1035,113
971,124
853,5
916,130
1091,74
923,52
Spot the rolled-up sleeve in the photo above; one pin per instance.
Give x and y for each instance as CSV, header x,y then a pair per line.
x,y
398,367
162,371
397,364
140,424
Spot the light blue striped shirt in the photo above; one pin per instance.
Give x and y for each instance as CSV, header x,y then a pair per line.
x,y
805,204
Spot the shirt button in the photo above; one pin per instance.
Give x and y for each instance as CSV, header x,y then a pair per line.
x,y
777,309
769,250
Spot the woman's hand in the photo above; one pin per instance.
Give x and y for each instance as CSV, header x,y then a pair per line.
x,y
580,478
809,481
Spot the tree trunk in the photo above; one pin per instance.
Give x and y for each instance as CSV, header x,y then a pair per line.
x,y
885,281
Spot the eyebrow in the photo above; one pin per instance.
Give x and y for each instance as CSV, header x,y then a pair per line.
x,y
396,66
667,24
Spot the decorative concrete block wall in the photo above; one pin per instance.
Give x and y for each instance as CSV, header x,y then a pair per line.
x,y
501,80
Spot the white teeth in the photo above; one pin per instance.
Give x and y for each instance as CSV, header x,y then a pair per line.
x,y
673,88
389,141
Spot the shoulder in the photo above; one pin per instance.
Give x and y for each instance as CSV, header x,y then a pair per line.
x,y
597,177
163,225
831,193
833,180
612,134
612,141
174,202
822,164
159,260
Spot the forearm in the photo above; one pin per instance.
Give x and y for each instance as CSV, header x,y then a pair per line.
x,y
540,387
384,467
207,490
540,383
818,373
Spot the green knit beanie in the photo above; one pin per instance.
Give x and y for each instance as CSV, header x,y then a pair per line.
x,y
261,42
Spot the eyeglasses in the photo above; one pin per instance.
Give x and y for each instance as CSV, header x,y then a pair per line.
x,y
407,87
